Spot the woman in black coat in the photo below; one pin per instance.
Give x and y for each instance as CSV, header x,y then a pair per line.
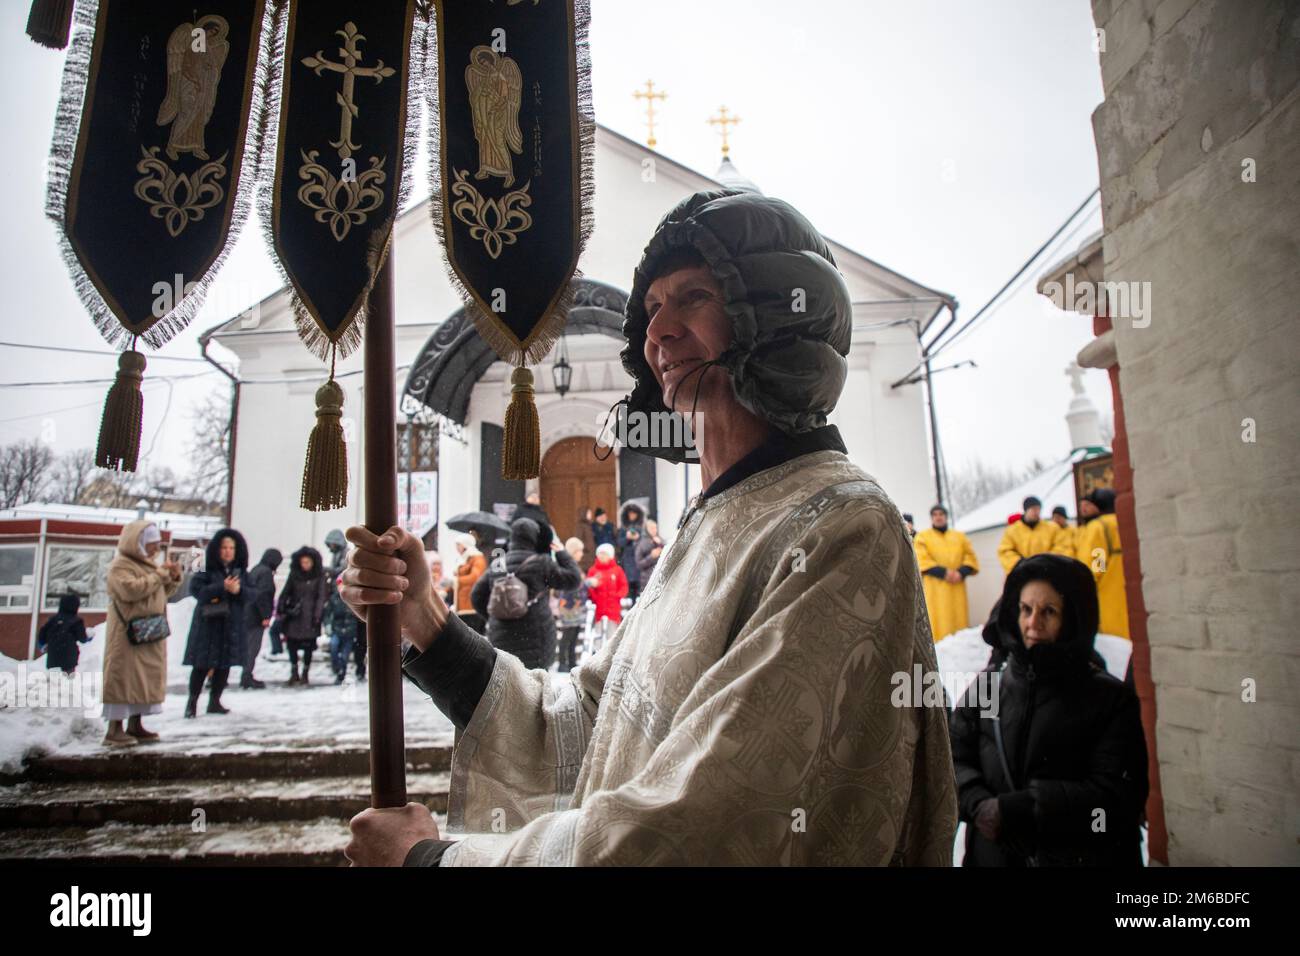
x,y
1057,774
216,639
301,607
61,634
630,531
531,638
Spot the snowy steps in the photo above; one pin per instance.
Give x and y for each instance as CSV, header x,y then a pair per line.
x,y
144,762
318,842
280,806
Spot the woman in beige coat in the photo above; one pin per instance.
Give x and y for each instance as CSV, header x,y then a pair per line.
x,y
135,675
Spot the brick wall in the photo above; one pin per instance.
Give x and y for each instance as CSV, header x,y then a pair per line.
x,y
1193,88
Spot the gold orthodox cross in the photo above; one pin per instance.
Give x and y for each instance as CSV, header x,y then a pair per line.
x,y
724,121
650,96
351,56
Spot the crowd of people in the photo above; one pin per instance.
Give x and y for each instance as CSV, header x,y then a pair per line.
x,y
582,585
947,558
236,606
565,589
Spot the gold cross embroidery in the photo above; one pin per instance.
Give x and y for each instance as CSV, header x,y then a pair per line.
x,y
351,56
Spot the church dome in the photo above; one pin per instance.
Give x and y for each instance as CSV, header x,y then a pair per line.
x,y
732,178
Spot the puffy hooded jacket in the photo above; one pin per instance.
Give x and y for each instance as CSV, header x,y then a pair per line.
x,y
787,366
262,580
218,640
530,638
1071,737
302,601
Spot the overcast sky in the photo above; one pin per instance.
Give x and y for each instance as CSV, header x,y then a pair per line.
x,y
944,139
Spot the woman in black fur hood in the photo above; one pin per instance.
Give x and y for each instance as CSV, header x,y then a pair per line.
x,y
300,608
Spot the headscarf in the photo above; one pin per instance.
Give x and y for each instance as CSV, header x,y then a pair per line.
x,y
149,534
1080,615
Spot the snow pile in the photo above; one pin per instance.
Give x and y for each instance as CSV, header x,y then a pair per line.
x,y
29,726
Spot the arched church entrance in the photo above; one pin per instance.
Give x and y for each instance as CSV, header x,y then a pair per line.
x,y
572,478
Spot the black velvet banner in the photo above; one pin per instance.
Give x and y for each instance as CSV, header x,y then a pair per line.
x,y
149,154
339,162
509,188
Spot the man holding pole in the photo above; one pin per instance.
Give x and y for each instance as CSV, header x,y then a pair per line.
x,y
742,712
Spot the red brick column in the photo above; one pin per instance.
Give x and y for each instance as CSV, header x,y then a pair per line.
x,y
1137,609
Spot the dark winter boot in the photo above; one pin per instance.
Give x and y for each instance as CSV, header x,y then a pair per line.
x,y
305,668
214,697
293,675
196,687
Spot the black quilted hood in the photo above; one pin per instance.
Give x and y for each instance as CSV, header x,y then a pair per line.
x,y
788,367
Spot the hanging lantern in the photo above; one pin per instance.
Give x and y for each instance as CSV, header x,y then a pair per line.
x,y
562,371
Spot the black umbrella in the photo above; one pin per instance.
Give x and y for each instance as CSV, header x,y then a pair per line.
x,y
488,526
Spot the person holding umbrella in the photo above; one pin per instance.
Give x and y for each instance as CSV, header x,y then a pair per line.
x,y
486,528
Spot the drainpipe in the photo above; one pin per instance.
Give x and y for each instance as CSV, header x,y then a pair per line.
x,y
234,424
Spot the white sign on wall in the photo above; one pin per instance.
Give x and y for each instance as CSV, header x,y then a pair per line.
x,y
417,501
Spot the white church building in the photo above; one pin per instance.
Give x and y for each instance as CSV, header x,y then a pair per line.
x,y
454,392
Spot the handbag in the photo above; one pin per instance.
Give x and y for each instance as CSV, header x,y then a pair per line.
x,y
290,605
145,630
214,610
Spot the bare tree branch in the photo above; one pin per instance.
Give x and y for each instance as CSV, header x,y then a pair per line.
x,y
209,450
72,476
25,472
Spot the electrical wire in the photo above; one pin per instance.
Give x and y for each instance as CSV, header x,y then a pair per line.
x,y
963,332
938,345
59,411
67,348
161,422
99,381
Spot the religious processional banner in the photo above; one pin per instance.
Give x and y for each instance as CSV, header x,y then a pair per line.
x,y
346,73
150,176
511,132
341,143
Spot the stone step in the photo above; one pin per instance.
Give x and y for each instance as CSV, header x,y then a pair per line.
x,y
313,759
228,801
293,843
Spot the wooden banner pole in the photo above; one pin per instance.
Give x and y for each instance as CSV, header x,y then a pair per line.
x,y
383,632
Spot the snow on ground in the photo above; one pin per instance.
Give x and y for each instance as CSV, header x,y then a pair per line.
x,y
280,716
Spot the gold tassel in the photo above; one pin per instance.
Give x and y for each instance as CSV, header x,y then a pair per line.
x,y
120,428
50,22
521,450
325,476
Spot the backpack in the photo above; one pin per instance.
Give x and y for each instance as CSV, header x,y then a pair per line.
x,y
509,598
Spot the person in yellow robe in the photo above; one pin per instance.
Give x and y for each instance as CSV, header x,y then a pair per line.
x,y
1098,546
1028,536
1066,533
946,559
